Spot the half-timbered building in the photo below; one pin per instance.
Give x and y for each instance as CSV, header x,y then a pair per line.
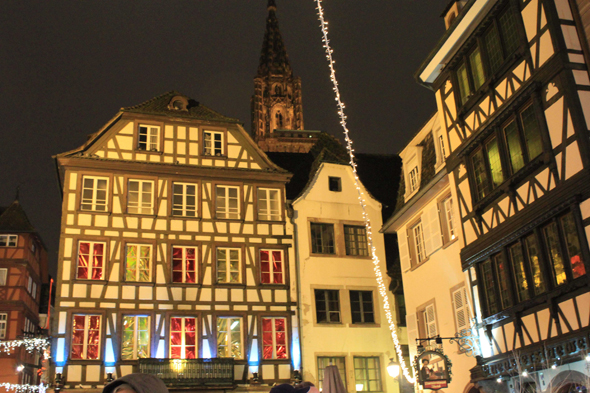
x,y
436,290
513,96
173,250
23,270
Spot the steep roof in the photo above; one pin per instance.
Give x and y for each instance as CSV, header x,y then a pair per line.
x,y
14,219
160,105
273,58
378,173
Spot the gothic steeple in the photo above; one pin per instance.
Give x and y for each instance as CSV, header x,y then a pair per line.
x,y
277,112
273,58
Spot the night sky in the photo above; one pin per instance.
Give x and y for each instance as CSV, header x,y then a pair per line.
x,y
66,67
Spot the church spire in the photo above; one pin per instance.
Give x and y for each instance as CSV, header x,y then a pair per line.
x,y
273,58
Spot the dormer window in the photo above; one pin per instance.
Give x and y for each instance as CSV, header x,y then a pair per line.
x,y
414,179
178,103
148,138
213,143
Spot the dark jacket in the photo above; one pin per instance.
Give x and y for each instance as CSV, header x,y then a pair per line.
x,y
141,383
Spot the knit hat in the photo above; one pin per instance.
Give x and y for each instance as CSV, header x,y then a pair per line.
x,y
141,383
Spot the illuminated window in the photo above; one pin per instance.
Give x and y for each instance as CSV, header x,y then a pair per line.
x,y
148,138
367,372
86,337
355,240
327,305
518,264
325,361
213,143
227,202
140,197
136,337
322,238
272,267
183,338
94,193
274,338
90,260
229,269
229,337
532,251
138,263
269,205
184,264
184,200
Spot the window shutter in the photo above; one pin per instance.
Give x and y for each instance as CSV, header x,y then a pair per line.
x,y
426,233
412,326
430,320
461,307
435,233
404,255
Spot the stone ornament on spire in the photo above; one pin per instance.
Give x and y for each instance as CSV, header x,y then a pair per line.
x,y
272,6
273,58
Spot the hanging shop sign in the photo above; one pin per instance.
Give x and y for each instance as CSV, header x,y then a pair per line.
x,y
433,369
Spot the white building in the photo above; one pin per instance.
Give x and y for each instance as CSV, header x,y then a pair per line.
x,y
430,240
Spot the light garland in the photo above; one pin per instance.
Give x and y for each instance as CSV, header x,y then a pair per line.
x,y
23,388
31,344
361,197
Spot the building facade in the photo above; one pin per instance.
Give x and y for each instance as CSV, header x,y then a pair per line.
x,y
173,247
23,271
426,220
513,96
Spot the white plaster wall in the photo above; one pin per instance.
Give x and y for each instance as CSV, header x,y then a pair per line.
x,y
343,273
433,280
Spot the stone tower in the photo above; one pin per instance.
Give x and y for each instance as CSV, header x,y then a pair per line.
x,y
277,112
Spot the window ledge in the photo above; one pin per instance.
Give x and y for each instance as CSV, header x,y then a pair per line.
x,y
364,325
230,285
153,215
314,254
90,281
139,284
229,219
420,264
173,217
450,242
222,157
270,222
156,152
106,213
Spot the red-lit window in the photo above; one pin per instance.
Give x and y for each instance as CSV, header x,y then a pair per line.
x,y
274,338
183,344
272,267
90,261
86,337
184,266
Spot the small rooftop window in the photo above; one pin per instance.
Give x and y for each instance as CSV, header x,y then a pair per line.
x,y
334,184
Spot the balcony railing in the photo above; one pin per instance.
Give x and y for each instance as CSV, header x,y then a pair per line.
x,y
191,372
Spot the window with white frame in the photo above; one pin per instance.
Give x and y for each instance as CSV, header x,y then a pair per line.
x,y
136,337
86,337
3,276
184,199
90,260
34,291
274,338
8,240
138,263
355,240
3,324
213,143
229,337
184,264
229,269
461,308
367,372
183,338
414,182
94,193
227,202
269,204
441,147
140,198
272,267
148,137
446,207
417,240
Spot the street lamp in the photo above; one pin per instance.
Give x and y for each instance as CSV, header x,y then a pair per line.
x,y
393,369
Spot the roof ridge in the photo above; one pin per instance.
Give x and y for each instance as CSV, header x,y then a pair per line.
x,y
171,92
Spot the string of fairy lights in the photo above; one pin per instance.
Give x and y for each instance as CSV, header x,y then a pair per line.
x,y
361,197
23,388
31,344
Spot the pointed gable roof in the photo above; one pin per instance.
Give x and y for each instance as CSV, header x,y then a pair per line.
x,y
14,219
161,106
273,58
